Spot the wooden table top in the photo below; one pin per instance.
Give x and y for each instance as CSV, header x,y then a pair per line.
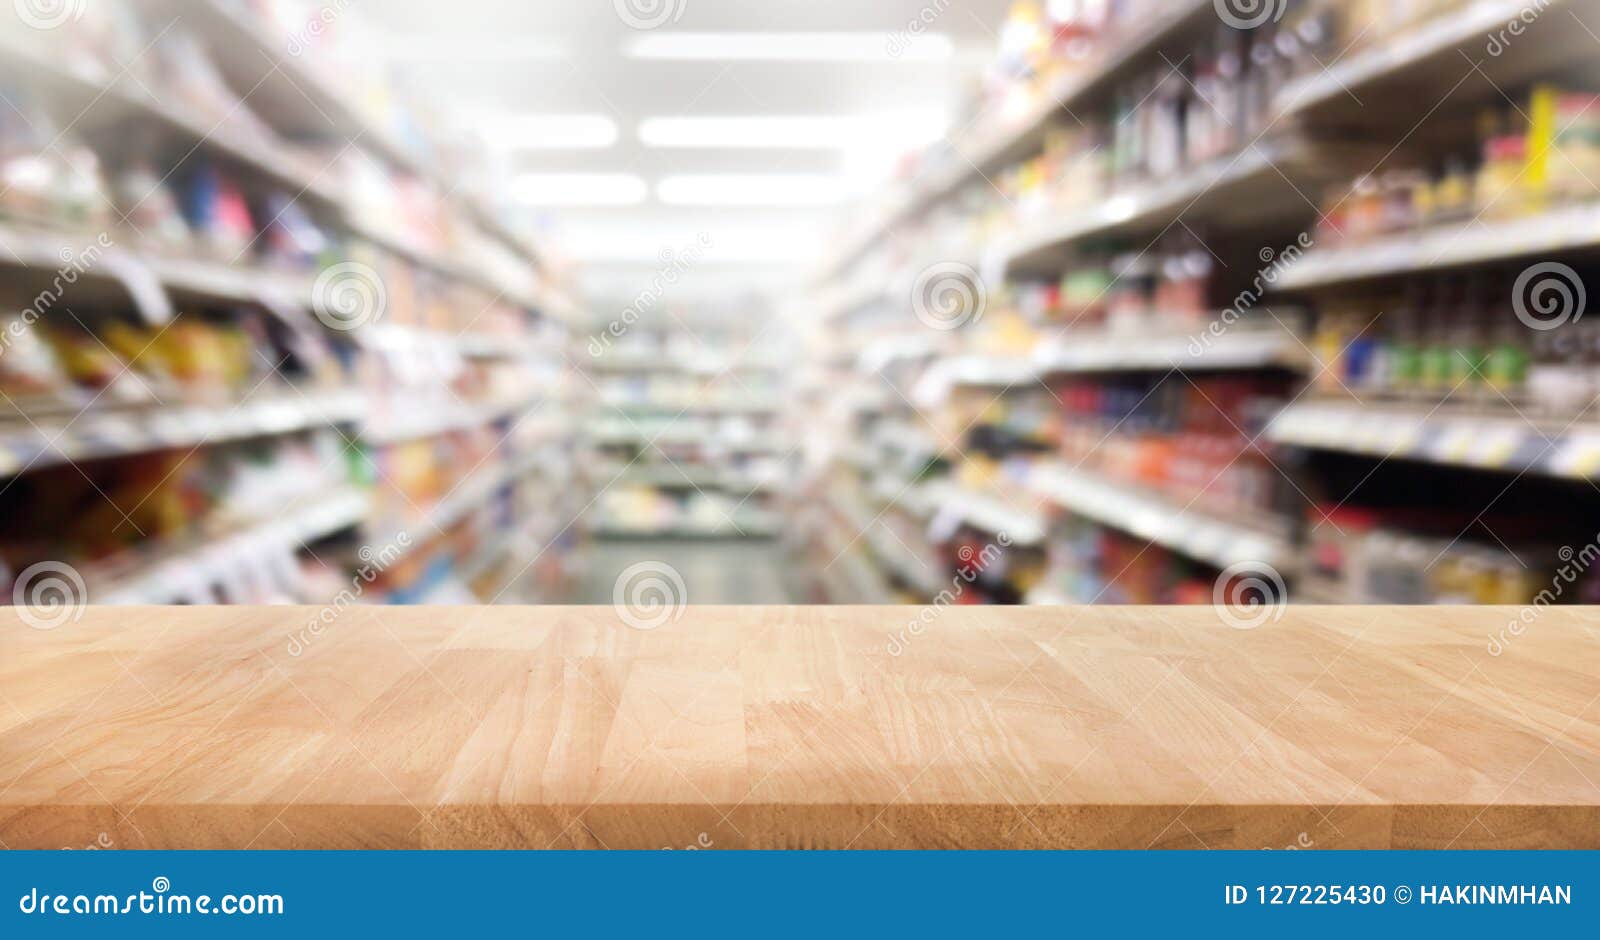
x,y
794,727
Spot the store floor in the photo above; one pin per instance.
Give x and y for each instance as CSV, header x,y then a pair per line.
x,y
713,572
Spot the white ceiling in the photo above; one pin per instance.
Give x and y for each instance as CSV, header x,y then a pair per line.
x,y
490,57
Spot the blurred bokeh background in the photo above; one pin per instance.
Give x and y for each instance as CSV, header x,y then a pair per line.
x,y
656,302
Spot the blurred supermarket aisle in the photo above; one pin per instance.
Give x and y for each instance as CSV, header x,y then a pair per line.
x,y
979,302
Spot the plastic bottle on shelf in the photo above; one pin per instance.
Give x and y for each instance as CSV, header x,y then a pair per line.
x,y
1506,365
1403,375
1437,353
1468,342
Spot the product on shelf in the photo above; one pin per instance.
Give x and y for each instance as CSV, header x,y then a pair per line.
x,y
108,515
1360,555
1456,338
1529,158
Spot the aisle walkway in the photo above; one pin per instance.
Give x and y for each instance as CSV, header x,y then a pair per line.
x,y
714,572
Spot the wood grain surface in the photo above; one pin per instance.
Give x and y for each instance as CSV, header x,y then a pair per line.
x,y
790,727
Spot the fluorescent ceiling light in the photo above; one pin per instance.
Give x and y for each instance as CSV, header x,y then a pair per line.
x,y
550,131
579,189
904,130
734,189
792,47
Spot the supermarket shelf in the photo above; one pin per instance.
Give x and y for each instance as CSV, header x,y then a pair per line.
x,y
1240,348
864,291
405,424
1253,185
897,492
1157,519
468,345
1026,136
880,354
986,511
850,577
886,548
467,497
293,79
685,432
1570,229
302,179
435,261
748,405
149,277
935,384
694,478
165,573
1441,51
218,281
996,148
1443,436
631,362
537,528
902,562
110,432
235,37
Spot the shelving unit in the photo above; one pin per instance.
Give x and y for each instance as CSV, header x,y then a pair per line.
x,y
459,360
1296,472
1559,232
1162,521
991,148
1253,187
685,439
1454,437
